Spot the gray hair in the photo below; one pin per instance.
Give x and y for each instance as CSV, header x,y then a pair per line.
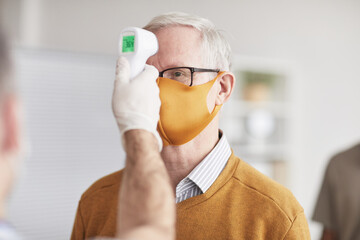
x,y
216,48
5,64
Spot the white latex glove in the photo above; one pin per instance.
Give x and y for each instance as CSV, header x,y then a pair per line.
x,y
136,102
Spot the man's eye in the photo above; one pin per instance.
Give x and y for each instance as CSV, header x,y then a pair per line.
x,y
178,74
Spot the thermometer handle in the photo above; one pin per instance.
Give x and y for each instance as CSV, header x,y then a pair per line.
x,y
137,65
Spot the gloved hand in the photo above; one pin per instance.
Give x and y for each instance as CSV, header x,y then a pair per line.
x,y
136,102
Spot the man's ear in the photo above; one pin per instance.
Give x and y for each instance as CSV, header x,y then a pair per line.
x,y
227,83
10,142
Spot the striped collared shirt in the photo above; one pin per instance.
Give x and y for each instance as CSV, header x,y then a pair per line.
x,y
205,173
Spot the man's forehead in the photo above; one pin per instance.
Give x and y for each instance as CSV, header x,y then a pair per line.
x,y
165,61
178,36
178,46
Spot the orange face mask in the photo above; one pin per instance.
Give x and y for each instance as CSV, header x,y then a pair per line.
x,y
183,112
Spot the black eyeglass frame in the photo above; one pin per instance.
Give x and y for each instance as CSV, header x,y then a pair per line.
x,y
192,70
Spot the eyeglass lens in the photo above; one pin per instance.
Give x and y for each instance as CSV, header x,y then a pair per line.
x,y
182,75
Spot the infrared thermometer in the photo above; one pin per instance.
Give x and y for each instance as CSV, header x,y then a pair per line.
x,y
137,45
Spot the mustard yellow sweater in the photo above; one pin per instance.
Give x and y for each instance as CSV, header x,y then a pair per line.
x,y
241,204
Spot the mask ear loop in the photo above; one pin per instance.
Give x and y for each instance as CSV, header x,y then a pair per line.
x,y
219,74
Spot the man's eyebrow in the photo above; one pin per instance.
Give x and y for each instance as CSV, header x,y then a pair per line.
x,y
176,64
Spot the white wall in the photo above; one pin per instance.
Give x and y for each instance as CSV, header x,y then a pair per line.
x,y
321,38
72,135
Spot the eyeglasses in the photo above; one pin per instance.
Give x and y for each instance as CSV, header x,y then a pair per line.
x,y
184,75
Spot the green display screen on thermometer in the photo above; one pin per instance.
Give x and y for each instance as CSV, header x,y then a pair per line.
x,y
128,44
137,45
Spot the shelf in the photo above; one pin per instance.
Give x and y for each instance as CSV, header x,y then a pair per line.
x,y
257,120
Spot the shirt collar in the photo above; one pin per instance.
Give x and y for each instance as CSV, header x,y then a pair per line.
x,y
207,171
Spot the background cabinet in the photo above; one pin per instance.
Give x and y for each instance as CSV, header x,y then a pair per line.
x,y
257,119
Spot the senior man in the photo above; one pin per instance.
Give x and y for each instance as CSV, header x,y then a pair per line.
x,y
218,195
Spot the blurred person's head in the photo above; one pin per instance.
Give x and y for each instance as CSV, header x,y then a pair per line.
x,y
5,66
9,124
